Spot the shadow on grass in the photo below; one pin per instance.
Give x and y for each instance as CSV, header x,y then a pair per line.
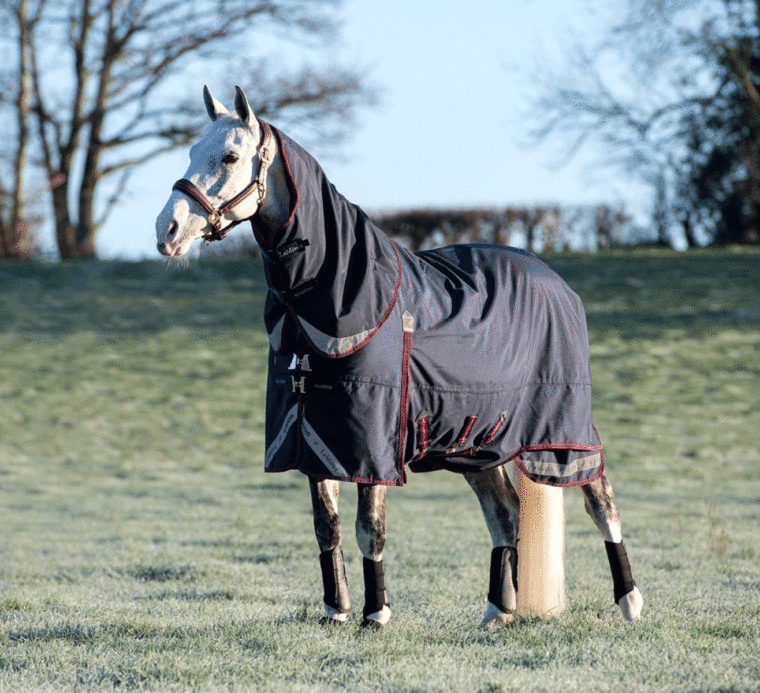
x,y
191,596
634,294
652,325
130,298
163,573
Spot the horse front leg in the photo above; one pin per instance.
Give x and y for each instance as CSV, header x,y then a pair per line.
x,y
370,536
500,505
324,498
600,505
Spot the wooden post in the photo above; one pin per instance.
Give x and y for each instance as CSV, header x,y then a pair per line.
x,y
540,548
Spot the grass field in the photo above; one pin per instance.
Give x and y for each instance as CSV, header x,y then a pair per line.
x,y
143,548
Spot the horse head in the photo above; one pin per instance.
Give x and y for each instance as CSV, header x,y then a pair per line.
x,y
225,182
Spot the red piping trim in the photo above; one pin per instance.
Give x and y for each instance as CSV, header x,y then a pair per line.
x,y
557,446
348,479
359,480
404,408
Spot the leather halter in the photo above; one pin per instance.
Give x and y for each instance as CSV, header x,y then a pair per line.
x,y
215,214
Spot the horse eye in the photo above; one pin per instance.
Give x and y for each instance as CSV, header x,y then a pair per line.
x,y
230,158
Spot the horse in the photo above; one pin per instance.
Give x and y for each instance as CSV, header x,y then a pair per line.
x,y
461,358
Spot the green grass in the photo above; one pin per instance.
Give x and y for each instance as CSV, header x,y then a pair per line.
x,y
143,548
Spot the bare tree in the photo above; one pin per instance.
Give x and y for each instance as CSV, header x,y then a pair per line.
x,y
16,224
106,96
670,94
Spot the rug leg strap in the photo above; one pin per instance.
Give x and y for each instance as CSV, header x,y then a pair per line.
x,y
502,584
375,594
334,580
622,577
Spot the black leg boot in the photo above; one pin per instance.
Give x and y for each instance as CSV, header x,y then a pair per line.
x,y
375,595
502,586
337,600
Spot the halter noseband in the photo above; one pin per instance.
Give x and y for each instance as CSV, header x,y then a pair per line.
x,y
266,155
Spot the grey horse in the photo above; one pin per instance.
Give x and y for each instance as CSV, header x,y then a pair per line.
x,y
382,360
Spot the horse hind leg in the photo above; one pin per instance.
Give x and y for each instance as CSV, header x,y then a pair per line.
x,y
600,505
370,536
324,497
500,505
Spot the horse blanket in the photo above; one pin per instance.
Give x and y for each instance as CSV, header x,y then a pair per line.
x,y
382,360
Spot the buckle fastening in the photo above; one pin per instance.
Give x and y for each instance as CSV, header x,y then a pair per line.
x,y
298,385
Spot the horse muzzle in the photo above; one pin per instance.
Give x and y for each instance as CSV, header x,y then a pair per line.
x,y
169,249
171,242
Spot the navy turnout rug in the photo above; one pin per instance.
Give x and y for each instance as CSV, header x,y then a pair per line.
x,y
382,360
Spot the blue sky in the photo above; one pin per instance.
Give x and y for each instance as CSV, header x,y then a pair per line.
x,y
455,78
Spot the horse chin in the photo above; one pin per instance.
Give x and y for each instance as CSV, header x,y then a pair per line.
x,y
176,248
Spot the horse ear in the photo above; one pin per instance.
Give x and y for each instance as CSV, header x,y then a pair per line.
x,y
213,107
243,108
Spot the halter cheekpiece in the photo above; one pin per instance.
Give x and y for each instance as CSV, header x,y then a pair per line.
x,y
215,215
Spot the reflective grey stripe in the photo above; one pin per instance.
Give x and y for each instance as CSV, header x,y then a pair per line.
x,y
333,345
321,450
563,471
275,336
290,419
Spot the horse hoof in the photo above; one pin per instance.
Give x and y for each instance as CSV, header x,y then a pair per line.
x,y
328,622
495,617
333,617
631,604
377,620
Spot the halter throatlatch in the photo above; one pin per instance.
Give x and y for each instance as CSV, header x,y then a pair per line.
x,y
215,215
